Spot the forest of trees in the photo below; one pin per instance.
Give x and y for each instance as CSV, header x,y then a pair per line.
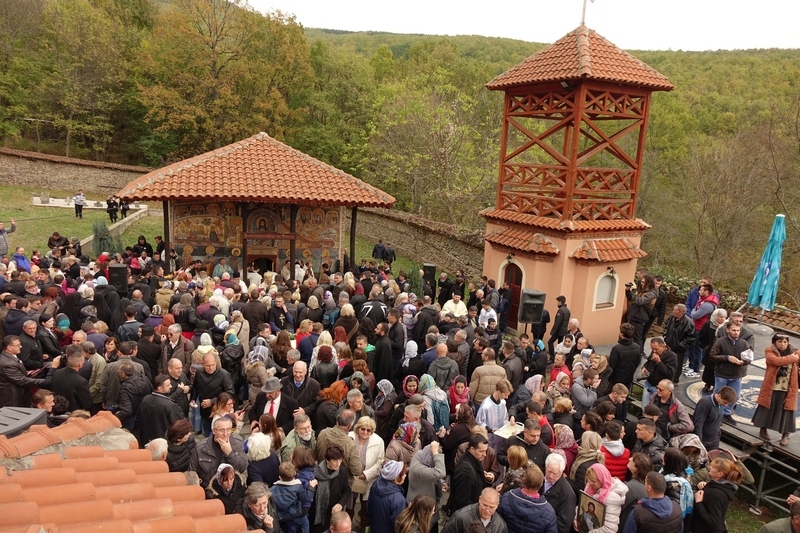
x,y
148,82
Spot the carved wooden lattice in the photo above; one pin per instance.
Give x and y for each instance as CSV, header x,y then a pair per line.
x,y
573,153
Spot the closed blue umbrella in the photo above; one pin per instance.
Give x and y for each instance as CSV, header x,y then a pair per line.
x,y
764,288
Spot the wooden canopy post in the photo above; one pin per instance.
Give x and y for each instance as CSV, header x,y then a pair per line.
x,y
353,224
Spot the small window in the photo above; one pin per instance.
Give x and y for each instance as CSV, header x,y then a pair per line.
x,y
605,291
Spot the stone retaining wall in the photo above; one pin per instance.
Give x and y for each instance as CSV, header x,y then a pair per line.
x,y
423,240
55,172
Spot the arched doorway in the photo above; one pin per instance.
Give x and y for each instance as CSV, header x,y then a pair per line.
x,y
513,277
263,264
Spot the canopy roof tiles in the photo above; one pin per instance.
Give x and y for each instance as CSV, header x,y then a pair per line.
x,y
568,226
607,250
258,169
582,54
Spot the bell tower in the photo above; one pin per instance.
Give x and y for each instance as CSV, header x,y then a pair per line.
x,y
574,123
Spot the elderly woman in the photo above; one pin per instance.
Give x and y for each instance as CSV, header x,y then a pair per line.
x,y
228,487
185,313
777,399
264,462
258,510
405,443
525,509
370,451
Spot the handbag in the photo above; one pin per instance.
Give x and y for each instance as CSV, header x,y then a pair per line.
x,y
359,486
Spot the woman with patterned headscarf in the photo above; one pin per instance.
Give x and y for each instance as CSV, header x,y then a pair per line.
x,y
404,444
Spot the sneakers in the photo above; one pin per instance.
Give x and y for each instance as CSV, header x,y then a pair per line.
x,y
729,419
686,364
690,373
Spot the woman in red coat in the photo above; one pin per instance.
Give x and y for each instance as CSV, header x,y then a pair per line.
x,y
777,399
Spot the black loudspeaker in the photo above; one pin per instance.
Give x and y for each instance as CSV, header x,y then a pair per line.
x,y
429,274
531,306
118,278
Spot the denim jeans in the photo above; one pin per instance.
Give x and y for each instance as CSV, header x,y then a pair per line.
x,y
735,384
695,355
648,391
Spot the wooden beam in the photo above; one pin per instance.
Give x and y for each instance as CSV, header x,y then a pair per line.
x,y
293,230
353,222
167,236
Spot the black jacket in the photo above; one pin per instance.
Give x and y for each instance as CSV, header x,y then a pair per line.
x,y
31,352
178,396
178,455
73,387
131,393
624,359
664,370
48,343
561,321
561,497
536,452
709,515
426,318
468,482
679,334
285,415
156,413
209,386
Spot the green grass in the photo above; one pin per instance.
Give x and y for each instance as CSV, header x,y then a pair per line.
x,y
364,251
36,224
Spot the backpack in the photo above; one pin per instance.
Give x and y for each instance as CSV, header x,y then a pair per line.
x,y
441,415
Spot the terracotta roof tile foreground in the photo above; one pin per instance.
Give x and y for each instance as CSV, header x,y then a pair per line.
x,y
606,250
87,489
582,54
523,239
258,169
780,317
565,225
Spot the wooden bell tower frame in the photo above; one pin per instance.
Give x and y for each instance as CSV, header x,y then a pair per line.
x,y
569,126
574,123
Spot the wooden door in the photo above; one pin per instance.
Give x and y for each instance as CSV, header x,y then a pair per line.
x,y
513,276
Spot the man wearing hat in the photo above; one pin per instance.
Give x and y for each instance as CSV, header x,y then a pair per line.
x,y
386,501
271,401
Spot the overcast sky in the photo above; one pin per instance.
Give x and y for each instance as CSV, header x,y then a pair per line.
x,y
630,24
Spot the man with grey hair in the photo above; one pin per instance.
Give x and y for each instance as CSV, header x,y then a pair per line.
x,y
223,446
175,346
213,310
463,348
674,419
31,354
558,492
158,448
301,435
97,364
355,402
680,334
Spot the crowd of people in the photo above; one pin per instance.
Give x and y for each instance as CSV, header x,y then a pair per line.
x,y
312,402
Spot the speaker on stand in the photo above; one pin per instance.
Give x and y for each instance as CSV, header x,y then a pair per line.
x,y
118,278
531,306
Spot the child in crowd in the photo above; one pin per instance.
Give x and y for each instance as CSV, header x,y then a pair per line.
x,y
292,499
304,463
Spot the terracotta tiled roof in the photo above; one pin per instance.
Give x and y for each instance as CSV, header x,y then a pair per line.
x,y
565,225
523,239
780,317
258,169
605,250
89,489
582,54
